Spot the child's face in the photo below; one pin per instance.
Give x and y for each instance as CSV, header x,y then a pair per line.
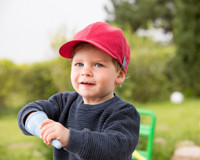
x,y
94,75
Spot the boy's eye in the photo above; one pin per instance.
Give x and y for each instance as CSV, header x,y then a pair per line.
x,y
98,65
79,64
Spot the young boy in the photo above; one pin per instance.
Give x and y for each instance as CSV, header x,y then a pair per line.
x,y
92,123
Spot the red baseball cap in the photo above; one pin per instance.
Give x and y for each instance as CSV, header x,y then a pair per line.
x,y
103,36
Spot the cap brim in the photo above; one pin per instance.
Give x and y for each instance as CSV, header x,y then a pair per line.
x,y
66,49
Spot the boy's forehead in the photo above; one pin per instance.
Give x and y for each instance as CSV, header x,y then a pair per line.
x,y
85,46
92,53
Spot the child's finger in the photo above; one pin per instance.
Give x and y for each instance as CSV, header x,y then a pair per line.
x,y
46,129
45,122
50,137
47,136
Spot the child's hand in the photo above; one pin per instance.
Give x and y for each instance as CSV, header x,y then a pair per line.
x,y
53,130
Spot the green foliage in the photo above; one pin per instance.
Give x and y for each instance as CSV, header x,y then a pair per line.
x,y
181,69
8,77
186,64
42,80
57,39
21,84
146,78
138,13
37,82
60,73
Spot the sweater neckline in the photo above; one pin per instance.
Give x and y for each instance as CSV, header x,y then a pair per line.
x,y
105,104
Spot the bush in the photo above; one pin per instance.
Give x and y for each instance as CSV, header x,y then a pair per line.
x,y
42,80
21,84
186,64
146,77
37,82
8,77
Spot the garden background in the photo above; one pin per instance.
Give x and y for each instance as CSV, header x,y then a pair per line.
x,y
156,70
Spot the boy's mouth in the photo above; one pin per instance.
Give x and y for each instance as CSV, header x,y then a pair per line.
x,y
86,83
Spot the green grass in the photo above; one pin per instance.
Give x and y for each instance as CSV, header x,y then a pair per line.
x,y
14,145
174,123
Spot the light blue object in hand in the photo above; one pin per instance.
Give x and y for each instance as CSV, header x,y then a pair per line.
x,y
32,125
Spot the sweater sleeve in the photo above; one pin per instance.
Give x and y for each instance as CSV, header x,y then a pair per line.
x,y
118,138
52,107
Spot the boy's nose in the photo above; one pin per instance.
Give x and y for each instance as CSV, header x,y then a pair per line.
x,y
86,72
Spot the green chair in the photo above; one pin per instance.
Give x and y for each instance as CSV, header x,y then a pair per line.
x,y
146,130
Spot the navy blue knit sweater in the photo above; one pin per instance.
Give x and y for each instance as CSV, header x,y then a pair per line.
x,y
106,131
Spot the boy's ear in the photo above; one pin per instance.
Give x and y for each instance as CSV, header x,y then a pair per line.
x,y
121,77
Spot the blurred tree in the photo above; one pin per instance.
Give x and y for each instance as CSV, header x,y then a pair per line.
x,y
186,64
61,68
57,39
8,77
146,78
60,72
139,13
37,82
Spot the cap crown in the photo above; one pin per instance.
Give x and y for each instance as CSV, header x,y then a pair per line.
x,y
105,37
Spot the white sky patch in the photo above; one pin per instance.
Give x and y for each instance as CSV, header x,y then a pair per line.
x,y
25,25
